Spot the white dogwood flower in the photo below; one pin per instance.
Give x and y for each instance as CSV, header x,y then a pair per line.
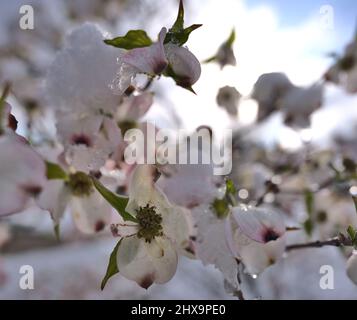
x,y
91,213
148,250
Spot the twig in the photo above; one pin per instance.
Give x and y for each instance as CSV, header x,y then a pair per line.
x,y
335,242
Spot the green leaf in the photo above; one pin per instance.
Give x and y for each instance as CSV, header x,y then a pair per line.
x,y
177,34
112,268
352,233
309,202
231,38
182,36
118,202
54,171
220,207
178,25
133,39
230,187
308,226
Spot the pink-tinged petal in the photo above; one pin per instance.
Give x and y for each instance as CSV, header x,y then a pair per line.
x,y
256,256
90,213
22,174
111,133
123,230
78,129
352,267
147,263
54,198
137,106
258,224
189,185
9,121
184,64
150,60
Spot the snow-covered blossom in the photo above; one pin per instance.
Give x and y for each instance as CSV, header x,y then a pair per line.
x,y
228,98
91,213
89,140
148,250
156,59
77,86
77,80
22,172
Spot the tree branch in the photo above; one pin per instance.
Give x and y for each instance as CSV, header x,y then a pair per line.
x,y
335,242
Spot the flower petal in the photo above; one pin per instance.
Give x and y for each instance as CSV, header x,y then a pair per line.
x,y
184,64
141,187
147,263
259,224
352,267
150,60
22,173
54,198
90,213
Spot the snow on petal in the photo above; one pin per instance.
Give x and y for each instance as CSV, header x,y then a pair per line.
x,y
259,224
22,173
79,76
147,263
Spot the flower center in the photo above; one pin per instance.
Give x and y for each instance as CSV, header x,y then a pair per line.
x,y
80,184
149,223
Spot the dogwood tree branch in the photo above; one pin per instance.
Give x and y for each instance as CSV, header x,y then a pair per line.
x,y
339,241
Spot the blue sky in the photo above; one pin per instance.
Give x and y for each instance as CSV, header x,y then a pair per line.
x,y
294,12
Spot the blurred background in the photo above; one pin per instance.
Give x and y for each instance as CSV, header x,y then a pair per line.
x,y
271,36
